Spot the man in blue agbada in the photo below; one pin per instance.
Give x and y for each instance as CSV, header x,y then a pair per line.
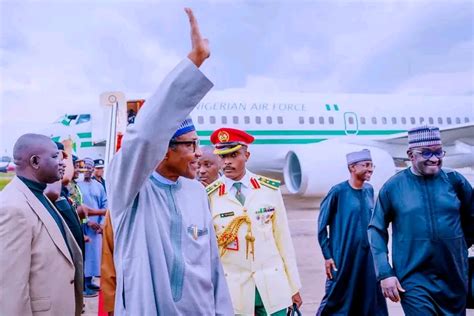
x,y
432,223
351,285
166,255
95,198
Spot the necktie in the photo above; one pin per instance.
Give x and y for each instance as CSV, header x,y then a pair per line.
x,y
238,194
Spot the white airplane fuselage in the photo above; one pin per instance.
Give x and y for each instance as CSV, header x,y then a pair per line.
x,y
302,138
320,129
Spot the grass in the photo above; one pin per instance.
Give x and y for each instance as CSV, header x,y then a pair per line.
x,y
5,178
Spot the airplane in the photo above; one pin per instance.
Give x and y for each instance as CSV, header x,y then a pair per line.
x,y
79,128
302,138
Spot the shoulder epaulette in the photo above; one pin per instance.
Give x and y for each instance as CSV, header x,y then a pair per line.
x,y
213,187
268,182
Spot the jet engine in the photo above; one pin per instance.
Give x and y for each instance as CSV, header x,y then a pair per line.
x,y
311,171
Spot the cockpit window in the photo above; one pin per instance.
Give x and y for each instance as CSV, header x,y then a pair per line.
x,y
65,119
83,118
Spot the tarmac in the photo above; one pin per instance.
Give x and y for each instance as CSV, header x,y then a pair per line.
x,y
302,218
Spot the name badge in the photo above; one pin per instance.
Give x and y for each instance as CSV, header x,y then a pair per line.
x,y
227,214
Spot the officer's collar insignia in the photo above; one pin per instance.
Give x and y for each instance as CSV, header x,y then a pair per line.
x,y
222,189
254,183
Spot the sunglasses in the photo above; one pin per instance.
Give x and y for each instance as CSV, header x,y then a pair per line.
x,y
427,154
195,143
367,165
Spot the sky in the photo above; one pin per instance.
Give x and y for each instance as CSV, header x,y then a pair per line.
x,y
56,57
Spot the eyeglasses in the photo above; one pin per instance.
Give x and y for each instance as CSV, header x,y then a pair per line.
x,y
195,143
367,165
427,154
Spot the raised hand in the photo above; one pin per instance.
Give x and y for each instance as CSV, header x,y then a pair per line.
x,y
200,46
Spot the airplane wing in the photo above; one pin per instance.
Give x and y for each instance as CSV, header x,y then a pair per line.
x,y
458,141
450,136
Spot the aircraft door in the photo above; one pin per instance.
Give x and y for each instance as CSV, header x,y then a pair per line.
x,y
351,123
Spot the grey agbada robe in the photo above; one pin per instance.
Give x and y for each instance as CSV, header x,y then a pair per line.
x,y
166,257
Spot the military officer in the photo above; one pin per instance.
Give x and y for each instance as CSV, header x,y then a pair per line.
x,y
252,232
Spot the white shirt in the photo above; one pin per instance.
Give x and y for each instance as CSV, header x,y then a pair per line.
x,y
246,185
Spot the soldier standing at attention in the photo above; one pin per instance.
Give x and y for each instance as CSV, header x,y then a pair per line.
x,y
252,232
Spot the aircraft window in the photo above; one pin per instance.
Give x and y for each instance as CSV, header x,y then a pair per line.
x,y
212,119
394,120
235,119
362,120
321,120
280,119
331,120
466,120
351,120
301,120
448,120
247,119
404,120
374,120
311,120
422,120
412,120
384,120
72,117
83,118
430,120
458,120
269,120
258,119
440,120
65,120
200,120
224,119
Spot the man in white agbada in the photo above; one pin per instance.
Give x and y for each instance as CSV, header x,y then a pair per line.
x,y
166,257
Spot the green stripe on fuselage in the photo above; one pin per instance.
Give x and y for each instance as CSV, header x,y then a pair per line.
x,y
84,135
312,132
278,141
86,144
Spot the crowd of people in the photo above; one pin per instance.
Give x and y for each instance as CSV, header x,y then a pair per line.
x,y
179,229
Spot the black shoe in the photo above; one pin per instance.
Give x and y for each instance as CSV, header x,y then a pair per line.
x,y
93,287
